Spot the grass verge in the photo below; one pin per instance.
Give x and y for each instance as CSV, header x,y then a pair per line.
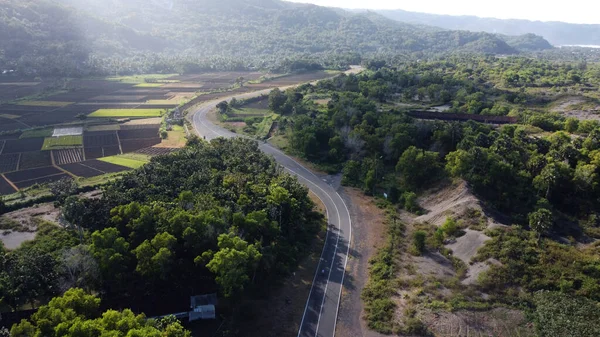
x,y
379,289
127,113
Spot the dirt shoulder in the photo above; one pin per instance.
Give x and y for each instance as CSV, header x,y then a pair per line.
x,y
368,234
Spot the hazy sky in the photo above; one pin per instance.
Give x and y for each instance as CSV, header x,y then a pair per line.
x,y
575,11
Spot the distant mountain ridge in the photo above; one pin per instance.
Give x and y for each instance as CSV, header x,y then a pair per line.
x,y
152,35
557,33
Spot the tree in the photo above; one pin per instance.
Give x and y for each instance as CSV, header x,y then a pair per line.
x,y
111,251
351,173
77,314
418,167
450,227
276,100
410,201
419,241
562,315
223,107
79,269
571,125
155,256
540,221
63,188
232,263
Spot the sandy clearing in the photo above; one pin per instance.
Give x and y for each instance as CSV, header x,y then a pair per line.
x,y
495,322
566,102
448,201
466,246
565,108
26,217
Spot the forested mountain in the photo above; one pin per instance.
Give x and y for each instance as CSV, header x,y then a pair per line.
x,y
41,37
558,33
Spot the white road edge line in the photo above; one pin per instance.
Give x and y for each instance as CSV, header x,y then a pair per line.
x,y
326,237
345,265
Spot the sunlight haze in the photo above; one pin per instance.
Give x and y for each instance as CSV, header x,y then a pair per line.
x,y
577,11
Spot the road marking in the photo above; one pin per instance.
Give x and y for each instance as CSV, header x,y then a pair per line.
x,y
332,260
201,112
345,263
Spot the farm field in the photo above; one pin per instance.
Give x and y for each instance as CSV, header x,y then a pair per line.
x,y
57,143
5,187
126,113
128,160
29,160
67,156
45,132
82,170
9,162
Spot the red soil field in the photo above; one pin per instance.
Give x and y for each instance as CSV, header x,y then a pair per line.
x,y
35,173
104,166
42,180
132,145
156,151
93,152
8,162
35,159
138,133
23,145
100,138
81,170
5,188
111,150
140,126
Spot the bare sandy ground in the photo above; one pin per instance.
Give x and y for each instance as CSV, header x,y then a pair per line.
x,y
26,217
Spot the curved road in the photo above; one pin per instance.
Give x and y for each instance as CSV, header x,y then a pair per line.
x,y
321,311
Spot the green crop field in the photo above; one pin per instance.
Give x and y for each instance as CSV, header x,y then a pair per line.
x,y
65,142
106,113
149,85
137,79
131,160
104,127
39,133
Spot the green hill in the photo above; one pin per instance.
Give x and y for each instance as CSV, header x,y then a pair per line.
x,y
108,36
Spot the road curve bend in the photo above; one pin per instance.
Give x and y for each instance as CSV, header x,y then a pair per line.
x,y
321,310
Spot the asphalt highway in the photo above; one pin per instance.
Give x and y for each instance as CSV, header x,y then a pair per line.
x,y
321,311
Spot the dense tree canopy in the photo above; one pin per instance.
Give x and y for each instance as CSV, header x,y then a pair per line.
x,y
78,314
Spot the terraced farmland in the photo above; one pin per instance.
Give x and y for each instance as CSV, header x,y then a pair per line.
x,y
122,106
67,156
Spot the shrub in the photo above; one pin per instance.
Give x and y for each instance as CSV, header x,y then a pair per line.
x,y
410,201
450,227
419,241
